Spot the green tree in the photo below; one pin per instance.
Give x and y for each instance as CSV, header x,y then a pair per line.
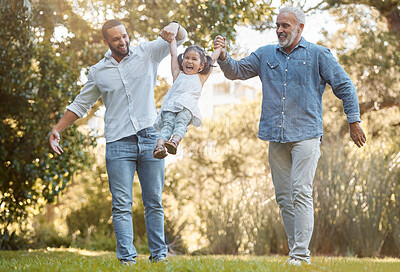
x,y
368,47
36,81
389,9
369,53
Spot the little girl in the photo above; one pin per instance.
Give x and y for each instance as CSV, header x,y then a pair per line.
x,y
179,109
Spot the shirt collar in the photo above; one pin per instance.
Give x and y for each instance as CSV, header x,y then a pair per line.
x,y
302,43
108,56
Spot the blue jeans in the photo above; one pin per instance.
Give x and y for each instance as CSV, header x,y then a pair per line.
x,y
175,123
123,158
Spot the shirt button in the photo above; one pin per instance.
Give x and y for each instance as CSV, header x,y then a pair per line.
x,y
284,84
283,112
286,70
280,126
284,98
288,57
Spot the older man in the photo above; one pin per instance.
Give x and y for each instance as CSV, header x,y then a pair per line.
x,y
125,79
294,74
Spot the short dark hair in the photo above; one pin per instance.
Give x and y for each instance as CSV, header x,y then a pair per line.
x,y
203,58
109,24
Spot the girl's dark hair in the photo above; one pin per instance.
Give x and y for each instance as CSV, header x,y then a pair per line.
x,y
203,58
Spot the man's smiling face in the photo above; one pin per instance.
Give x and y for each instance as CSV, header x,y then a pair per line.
x,y
287,29
118,41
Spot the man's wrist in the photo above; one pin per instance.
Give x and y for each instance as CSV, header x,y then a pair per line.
x,y
55,129
224,60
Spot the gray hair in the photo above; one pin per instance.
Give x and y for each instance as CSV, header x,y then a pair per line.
x,y
301,18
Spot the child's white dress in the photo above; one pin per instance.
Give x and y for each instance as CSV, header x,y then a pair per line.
x,y
184,93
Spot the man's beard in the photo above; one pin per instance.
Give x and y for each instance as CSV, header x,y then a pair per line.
x,y
117,51
289,38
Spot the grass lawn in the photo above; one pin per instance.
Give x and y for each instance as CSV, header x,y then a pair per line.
x,y
82,260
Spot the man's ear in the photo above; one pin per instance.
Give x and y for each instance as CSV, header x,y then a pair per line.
x,y
106,42
301,27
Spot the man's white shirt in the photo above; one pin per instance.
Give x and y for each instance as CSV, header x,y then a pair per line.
x,y
126,88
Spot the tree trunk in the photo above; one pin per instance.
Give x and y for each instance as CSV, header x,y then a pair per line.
x,y
393,19
373,106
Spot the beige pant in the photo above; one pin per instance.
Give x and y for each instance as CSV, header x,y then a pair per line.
x,y
293,168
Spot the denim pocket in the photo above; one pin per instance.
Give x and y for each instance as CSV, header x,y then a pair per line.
x,y
122,148
152,133
302,75
273,64
271,70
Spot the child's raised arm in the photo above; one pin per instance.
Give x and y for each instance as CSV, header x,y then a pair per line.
x,y
175,70
215,54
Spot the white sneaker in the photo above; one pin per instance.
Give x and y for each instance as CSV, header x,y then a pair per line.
x,y
296,262
293,261
128,263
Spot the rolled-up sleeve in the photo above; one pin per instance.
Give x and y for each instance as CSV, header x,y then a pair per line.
x,y
158,49
334,74
86,98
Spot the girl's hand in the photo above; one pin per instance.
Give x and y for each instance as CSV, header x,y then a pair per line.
x,y
169,32
167,35
220,42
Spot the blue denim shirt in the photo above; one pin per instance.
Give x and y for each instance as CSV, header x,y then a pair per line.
x,y
293,85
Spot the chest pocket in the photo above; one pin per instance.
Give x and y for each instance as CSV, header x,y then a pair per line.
x,y
302,75
272,70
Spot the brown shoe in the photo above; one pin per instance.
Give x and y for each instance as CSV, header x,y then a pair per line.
x,y
159,152
172,146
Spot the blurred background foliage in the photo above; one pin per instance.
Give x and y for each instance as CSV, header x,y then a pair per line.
x,y
218,197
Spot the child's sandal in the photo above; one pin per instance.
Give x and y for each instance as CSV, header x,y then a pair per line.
x,y
171,146
159,152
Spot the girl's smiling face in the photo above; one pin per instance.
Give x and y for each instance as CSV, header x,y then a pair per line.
x,y
192,63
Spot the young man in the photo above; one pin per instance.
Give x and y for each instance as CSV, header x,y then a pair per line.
x,y
125,79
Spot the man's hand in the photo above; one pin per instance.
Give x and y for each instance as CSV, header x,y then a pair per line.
x,y
357,134
54,141
220,42
169,32
167,35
